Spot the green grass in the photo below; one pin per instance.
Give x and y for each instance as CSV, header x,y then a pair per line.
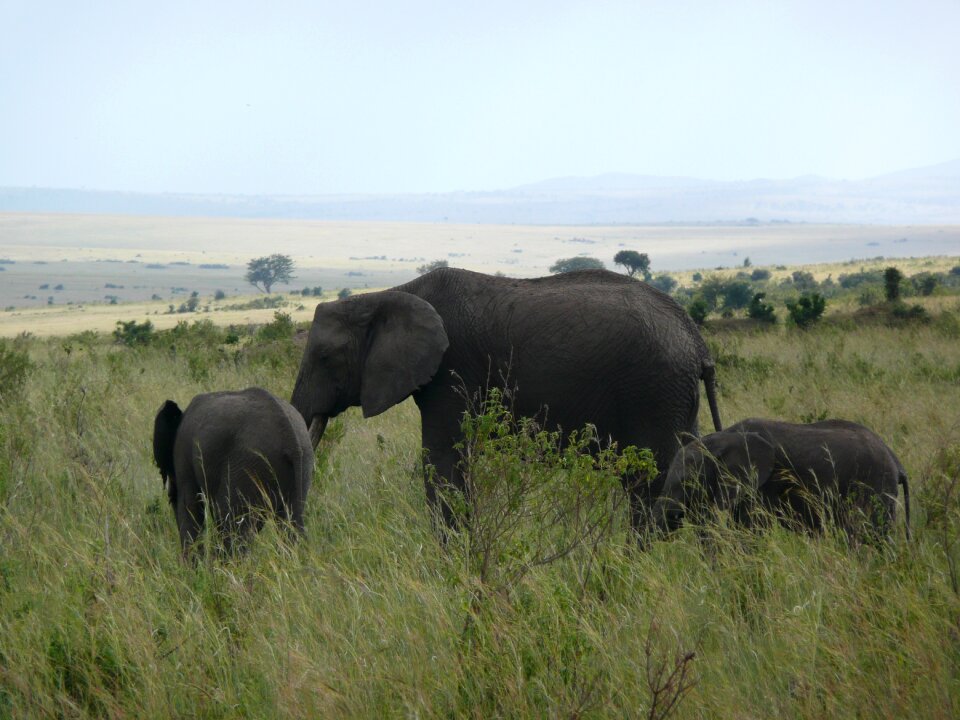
x,y
370,617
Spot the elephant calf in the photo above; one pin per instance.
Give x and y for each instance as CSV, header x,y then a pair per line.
x,y
236,452
799,472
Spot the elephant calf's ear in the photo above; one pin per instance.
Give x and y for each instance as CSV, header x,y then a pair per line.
x,y
164,434
405,344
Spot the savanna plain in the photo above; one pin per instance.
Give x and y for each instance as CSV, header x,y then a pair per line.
x,y
370,615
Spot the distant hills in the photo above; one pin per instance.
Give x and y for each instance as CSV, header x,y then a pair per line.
x,y
927,195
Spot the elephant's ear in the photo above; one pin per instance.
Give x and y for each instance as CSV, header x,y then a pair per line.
x,y
748,455
405,344
164,435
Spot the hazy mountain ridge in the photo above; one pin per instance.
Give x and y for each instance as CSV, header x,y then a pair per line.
x,y
929,195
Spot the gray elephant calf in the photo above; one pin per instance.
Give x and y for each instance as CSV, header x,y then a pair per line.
x,y
235,452
799,472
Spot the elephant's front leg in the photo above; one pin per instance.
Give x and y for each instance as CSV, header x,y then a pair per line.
x,y
440,413
443,481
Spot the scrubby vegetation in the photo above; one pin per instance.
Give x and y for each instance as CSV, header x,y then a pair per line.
x,y
371,616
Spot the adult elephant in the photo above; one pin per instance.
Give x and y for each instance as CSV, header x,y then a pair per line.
x,y
581,347
800,472
240,454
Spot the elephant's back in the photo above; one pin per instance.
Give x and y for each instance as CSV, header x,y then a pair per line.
x,y
252,424
848,449
601,304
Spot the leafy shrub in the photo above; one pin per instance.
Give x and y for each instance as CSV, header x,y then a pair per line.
x,y
431,266
280,329
580,262
698,310
737,295
802,280
712,289
219,295
925,283
697,277
532,495
806,310
132,333
759,310
200,333
852,280
344,293
891,283
664,282
902,311
760,274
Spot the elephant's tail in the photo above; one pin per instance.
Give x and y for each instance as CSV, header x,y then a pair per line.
x,y
165,428
709,376
906,500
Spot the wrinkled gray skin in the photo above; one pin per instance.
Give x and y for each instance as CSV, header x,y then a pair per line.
x,y
796,471
238,452
586,347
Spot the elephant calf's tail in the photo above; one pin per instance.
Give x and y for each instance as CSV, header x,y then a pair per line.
x,y
709,376
906,500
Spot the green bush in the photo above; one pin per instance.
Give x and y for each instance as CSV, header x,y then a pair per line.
x,y
132,333
902,311
532,495
736,295
851,280
664,283
803,280
891,283
580,262
281,328
760,310
698,310
199,333
806,310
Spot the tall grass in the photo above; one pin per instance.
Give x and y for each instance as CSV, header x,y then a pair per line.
x,y
370,616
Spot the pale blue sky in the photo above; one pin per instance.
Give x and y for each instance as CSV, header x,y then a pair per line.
x,y
361,96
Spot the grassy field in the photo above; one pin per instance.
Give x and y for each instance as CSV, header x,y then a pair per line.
x,y
370,617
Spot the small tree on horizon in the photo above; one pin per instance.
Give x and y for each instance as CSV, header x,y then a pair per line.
x,y
269,270
634,262
565,265
891,282
431,266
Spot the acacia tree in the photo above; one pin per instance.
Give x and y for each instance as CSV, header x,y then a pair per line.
x,y
269,270
634,262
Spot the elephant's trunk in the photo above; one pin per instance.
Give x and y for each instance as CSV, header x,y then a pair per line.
x,y
667,515
317,425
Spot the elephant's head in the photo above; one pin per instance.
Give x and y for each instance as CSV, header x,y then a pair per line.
x,y
716,471
165,428
371,350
